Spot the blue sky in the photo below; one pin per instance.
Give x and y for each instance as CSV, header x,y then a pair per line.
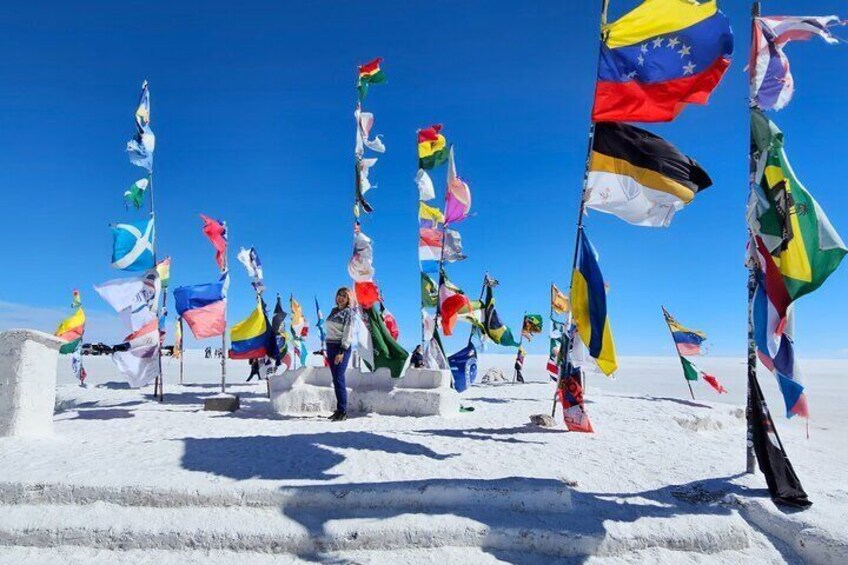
x,y
252,107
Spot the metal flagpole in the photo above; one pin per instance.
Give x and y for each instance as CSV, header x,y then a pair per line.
x,y
667,315
752,287
581,208
182,350
224,333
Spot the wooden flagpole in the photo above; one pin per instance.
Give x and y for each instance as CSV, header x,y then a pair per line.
x,y
581,208
666,315
750,460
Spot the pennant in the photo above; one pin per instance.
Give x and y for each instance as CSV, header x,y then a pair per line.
x,y
432,147
216,232
426,191
361,264
369,73
458,197
639,176
772,85
559,301
132,246
659,57
589,306
135,195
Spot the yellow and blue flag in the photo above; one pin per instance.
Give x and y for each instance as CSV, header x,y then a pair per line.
x,y
589,306
250,336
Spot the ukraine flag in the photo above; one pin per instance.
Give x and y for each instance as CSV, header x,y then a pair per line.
x,y
589,306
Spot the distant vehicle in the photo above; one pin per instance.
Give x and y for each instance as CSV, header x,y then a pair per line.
x,y
168,351
95,349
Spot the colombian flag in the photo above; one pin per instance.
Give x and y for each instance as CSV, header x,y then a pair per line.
x,y
659,57
250,336
589,306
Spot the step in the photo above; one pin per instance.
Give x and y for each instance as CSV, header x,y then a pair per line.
x,y
513,493
308,531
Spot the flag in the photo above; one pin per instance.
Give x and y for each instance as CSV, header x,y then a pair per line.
x,y
690,371
429,244
76,300
390,321
494,328
320,323
426,191
386,351
639,176
463,366
367,293
804,245
361,183
458,197
133,298
132,246
140,148
559,301
279,319
430,213
250,259
135,195
555,349
589,306
531,325
369,73
783,484
659,57
429,291
361,264
451,301
163,269
432,147
71,330
364,122
713,382
453,246
299,324
774,333
489,282
772,85
570,395
203,307
428,322
216,232
688,342
137,359
249,338
142,112
76,366
434,353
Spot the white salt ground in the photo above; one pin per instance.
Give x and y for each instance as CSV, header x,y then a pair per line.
x,y
127,479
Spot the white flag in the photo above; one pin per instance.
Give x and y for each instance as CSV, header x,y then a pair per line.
x,y
426,191
434,357
134,298
364,166
365,120
362,335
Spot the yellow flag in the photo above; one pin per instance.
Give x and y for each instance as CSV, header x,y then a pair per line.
x,y
559,301
431,213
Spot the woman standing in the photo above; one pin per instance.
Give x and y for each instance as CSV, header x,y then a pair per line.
x,y
339,328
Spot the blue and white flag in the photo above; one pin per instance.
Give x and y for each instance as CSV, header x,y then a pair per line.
x,y
132,248
142,145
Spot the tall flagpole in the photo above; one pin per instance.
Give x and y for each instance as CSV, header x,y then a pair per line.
x,y
482,293
224,333
182,350
752,286
520,343
582,207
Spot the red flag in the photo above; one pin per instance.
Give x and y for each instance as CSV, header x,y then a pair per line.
x,y
570,395
713,382
391,324
216,232
367,293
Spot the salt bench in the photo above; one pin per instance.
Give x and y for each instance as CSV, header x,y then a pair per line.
x,y
419,392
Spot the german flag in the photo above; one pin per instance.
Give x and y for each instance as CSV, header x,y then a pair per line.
x,y
432,147
639,176
369,73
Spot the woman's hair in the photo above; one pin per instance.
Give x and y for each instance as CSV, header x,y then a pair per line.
x,y
346,292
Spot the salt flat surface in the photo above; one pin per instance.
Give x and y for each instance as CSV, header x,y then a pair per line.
x,y
656,454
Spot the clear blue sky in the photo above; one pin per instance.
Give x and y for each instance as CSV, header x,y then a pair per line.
x,y
252,108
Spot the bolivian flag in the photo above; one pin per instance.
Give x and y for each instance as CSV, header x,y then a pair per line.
x,y
250,336
369,73
432,147
659,57
71,330
640,177
589,306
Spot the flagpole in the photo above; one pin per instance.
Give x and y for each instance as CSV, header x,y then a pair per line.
x,y
442,256
182,350
750,460
581,208
482,292
224,333
671,333
520,342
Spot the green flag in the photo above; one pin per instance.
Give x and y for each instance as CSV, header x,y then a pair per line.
x,y
387,352
690,371
795,230
135,195
429,292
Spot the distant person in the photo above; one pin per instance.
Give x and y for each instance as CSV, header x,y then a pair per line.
x,y
339,328
254,369
417,359
208,352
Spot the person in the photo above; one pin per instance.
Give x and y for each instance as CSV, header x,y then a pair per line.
x,y
417,359
339,332
254,369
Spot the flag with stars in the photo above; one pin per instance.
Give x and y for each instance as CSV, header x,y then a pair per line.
x,y
659,57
